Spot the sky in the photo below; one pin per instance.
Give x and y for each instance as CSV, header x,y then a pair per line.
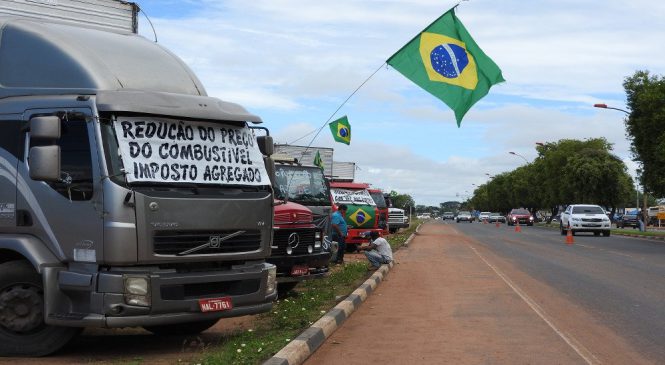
x,y
295,62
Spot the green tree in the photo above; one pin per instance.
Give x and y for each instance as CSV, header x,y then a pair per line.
x,y
646,127
402,201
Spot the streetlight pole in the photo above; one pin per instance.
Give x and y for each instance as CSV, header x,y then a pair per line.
x,y
604,106
645,214
517,154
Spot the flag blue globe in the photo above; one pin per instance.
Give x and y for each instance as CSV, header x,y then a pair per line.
x,y
449,60
343,132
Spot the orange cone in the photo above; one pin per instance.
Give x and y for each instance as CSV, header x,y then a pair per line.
x,y
497,224
569,236
518,228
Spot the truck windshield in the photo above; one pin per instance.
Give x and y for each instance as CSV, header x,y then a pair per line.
x,y
304,185
378,199
155,151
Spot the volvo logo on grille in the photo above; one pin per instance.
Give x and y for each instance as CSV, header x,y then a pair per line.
x,y
215,241
294,240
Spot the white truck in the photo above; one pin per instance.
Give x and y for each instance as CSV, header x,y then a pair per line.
x,y
397,219
128,197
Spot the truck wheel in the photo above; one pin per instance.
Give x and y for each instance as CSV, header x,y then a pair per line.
x,y
563,231
351,247
393,230
191,328
22,328
284,288
606,233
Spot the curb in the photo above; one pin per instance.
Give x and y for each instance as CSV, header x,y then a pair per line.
x,y
303,346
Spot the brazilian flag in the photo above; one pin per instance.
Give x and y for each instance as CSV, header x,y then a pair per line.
x,y
360,216
318,161
445,61
341,130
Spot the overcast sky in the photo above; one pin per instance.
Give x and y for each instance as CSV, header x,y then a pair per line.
x,y
294,63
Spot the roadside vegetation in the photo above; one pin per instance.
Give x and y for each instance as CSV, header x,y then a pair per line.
x,y
293,314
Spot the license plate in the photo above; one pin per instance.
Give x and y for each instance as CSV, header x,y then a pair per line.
x,y
299,270
215,304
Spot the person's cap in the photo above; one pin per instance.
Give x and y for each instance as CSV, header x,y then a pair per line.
x,y
342,207
374,235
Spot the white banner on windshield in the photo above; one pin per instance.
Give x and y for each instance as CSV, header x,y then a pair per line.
x,y
172,151
344,196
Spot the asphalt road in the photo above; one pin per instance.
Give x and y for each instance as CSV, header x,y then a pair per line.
x,y
619,280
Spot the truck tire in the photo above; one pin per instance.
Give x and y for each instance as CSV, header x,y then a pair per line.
x,y
606,233
563,231
22,328
191,328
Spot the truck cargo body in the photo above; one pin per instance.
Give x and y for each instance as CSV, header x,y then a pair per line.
x,y
114,205
110,15
305,156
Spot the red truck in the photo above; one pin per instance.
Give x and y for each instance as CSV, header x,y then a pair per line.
x,y
362,214
382,207
297,246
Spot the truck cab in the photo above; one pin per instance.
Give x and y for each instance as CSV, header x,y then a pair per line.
x,y
297,246
128,197
362,213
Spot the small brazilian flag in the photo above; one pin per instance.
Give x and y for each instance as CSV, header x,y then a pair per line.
x,y
341,130
318,161
445,61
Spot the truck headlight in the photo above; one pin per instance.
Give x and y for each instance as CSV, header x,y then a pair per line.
x,y
137,290
318,238
575,219
271,285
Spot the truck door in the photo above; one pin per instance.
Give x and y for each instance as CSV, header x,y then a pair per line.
x,y
10,126
68,214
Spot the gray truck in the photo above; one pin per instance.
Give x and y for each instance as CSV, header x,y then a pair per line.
x,y
128,197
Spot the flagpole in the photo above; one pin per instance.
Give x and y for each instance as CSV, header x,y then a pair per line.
x,y
336,110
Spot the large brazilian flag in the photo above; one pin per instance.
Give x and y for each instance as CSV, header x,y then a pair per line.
x,y
360,216
444,60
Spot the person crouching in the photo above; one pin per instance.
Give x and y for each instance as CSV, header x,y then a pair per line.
x,y
378,252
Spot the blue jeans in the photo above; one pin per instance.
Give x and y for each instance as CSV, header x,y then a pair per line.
x,y
376,259
341,248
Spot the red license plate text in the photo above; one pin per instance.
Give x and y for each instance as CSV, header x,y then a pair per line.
x,y
215,304
299,271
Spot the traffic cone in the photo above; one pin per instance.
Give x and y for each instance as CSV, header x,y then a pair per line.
x,y
518,228
569,236
497,224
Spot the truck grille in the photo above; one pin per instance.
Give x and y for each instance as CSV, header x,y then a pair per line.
x,y
592,220
281,241
396,217
174,242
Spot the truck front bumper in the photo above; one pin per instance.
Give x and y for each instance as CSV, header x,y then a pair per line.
x,y
316,262
173,295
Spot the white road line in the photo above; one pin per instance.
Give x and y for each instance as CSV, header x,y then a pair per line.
x,y
574,344
619,253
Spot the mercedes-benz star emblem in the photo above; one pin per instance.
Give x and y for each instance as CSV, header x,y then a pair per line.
x,y
294,240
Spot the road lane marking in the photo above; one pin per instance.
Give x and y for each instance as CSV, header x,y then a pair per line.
x,y
574,344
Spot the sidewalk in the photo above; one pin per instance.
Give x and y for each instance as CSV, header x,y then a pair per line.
x,y
443,304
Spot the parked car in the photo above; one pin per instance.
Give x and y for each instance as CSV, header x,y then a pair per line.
x,y
628,220
464,216
585,218
484,216
520,216
448,215
497,217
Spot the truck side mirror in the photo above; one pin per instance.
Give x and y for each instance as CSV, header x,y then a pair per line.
x,y
266,145
47,127
44,162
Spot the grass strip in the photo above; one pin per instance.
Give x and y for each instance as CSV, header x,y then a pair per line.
x,y
293,314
